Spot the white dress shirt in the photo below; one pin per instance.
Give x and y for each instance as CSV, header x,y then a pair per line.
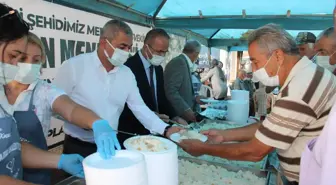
x,y
44,96
147,65
88,83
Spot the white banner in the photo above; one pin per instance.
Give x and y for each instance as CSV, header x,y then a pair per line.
x,y
176,45
65,32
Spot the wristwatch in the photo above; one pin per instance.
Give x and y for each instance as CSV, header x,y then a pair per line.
x,y
166,130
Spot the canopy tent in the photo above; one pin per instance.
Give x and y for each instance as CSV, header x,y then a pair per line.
x,y
215,23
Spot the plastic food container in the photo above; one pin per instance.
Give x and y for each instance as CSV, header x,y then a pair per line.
x,y
162,166
125,168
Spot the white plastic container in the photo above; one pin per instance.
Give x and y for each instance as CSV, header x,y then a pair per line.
x,y
125,168
240,95
162,166
238,111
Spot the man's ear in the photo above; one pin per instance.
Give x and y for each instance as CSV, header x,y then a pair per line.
x,y
280,57
102,41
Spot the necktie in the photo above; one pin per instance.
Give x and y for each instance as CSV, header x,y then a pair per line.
x,y
151,81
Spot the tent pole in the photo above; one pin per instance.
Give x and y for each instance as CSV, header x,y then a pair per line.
x,y
247,17
157,11
214,34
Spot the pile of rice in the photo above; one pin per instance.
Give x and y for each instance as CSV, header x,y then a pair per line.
x,y
257,165
148,144
195,174
190,134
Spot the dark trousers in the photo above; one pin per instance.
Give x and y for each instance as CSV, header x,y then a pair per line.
x,y
76,146
252,110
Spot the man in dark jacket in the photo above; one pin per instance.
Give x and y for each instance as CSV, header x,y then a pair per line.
x,y
148,72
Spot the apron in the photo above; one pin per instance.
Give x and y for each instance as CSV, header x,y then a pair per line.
x,y
31,131
10,147
312,168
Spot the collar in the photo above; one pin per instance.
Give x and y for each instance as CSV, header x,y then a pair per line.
x,y
188,60
98,63
145,62
30,87
299,66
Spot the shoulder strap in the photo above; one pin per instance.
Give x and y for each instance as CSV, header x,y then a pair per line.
x,y
31,105
4,111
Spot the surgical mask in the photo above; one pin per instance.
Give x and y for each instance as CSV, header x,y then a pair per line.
x,y
261,76
23,73
7,73
119,56
324,61
28,73
156,60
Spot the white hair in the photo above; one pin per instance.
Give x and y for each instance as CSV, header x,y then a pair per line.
x,y
192,46
271,37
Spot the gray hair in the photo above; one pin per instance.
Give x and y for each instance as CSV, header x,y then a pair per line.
x,y
192,46
329,32
215,62
113,27
242,71
271,37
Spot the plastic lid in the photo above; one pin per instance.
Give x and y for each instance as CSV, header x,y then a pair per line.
x,y
122,159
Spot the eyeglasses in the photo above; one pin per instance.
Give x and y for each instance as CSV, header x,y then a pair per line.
x,y
161,53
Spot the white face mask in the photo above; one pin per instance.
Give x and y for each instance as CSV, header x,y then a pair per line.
x,y
156,59
28,73
119,56
324,61
261,76
23,73
7,73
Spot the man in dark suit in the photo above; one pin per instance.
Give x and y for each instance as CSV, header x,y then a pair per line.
x,y
147,69
178,82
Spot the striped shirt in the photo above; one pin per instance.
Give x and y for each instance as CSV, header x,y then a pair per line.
x,y
299,114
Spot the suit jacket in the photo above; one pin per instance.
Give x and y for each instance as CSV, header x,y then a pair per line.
x,y
178,85
128,122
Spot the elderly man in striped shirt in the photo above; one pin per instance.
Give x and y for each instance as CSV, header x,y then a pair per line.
x,y
306,96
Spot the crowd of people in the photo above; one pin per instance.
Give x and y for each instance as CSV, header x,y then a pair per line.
x,y
299,125
107,90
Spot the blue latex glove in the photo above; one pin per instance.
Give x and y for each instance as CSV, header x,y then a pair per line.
x,y
105,138
72,164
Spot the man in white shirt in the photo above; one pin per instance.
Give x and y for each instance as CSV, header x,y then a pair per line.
x,y
101,82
